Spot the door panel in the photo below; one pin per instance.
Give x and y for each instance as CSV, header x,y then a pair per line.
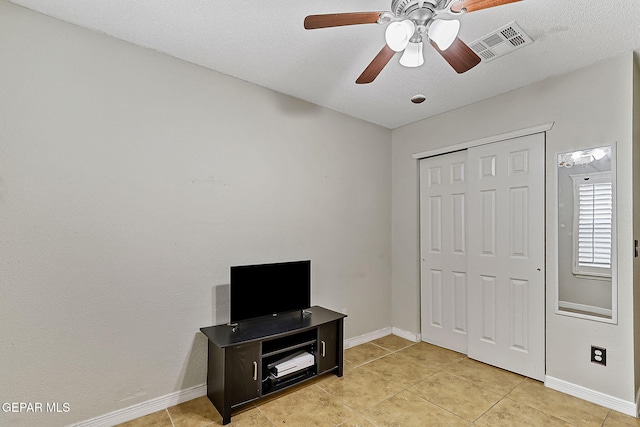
x,y
327,354
242,373
506,255
443,251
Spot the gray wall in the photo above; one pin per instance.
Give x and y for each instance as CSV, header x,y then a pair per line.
x,y
590,107
636,217
130,182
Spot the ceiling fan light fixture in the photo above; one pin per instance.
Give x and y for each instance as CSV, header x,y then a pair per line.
x,y
412,56
398,34
444,32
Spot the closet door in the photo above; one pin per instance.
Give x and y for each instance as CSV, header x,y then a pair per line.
x,y
443,251
506,291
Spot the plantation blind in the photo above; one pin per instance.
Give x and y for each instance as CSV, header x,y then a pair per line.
x,y
594,218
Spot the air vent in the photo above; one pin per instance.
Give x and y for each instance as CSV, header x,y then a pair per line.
x,y
500,42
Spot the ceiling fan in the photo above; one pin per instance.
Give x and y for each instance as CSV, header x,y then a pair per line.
x,y
410,24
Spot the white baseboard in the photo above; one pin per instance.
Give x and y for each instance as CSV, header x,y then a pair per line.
x,y
145,408
370,336
406,334
611,402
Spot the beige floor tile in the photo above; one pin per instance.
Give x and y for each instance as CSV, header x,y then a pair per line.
x,y
485,376
290,390
357,421
435,357
616,419
361,388
363,353
157,419
571,409
347,364
401,369
392,342
410,410
509,413
456,395
198,412
324,378
253,417
309,407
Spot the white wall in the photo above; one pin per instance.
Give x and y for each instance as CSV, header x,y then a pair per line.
x,y
130,182
590,107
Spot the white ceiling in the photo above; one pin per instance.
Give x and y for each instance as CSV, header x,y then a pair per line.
x,y
264,42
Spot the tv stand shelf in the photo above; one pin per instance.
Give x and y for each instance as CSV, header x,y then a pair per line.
x,y
239,355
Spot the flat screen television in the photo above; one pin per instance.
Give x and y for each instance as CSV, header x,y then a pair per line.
x,y
267,289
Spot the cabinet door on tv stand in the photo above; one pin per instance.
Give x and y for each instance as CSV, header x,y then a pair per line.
x,y
327,347
243,373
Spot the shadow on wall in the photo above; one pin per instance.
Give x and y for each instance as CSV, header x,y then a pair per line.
x,y
220,304
194,372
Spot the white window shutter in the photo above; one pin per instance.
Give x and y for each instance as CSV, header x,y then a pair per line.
x,y
593,224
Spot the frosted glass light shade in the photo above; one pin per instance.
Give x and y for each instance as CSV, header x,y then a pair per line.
x,y
398,34
598,153
412,56
444,32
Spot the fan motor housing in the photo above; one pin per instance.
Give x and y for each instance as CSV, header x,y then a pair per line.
x,y
405,7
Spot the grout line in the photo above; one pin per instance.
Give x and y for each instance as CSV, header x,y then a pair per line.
x,y
446,371
430,402
488,409
265,415
170,419
542,411
380,357
548,413
403,389
392,351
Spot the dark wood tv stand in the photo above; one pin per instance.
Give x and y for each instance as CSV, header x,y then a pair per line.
x,y
239,354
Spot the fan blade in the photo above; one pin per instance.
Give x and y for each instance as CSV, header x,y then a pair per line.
x,y
459,56
312,22
379,62
473,5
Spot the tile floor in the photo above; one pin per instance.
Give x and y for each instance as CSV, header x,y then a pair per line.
x,y
394,382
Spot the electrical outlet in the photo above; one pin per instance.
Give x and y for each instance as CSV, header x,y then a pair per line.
x,y
599,355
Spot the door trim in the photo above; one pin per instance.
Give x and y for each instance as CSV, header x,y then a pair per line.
x,y
486,140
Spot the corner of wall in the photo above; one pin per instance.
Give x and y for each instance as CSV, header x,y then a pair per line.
x,y
636,218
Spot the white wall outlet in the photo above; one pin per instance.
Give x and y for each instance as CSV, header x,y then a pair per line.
x,y
599,355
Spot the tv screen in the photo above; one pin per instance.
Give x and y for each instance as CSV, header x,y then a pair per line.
x,y
264,289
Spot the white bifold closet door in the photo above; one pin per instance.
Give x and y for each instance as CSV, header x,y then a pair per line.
x,y
482,251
